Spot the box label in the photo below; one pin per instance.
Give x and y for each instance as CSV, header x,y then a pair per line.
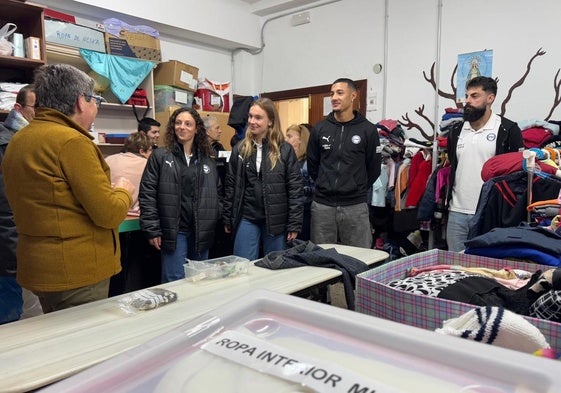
x,y
275,360
68,34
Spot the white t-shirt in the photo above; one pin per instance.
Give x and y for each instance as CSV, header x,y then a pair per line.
x,y
473,149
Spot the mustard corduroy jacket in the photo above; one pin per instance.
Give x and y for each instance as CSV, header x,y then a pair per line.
x,y
67,214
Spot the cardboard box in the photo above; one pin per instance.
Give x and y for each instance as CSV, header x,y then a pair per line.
x,y
375,297
33,48
177,74
68,34
227,131
137,45
61,16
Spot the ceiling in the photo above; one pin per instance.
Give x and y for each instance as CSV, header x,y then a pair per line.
x,y
268,7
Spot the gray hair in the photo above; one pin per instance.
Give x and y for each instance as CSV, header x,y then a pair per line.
x,y
208,120
58,86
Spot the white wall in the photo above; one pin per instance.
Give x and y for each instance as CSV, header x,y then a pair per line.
x,y
346,38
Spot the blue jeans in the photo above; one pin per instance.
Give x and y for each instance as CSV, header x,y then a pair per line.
x,y
11,300
249,236
172,261
457,229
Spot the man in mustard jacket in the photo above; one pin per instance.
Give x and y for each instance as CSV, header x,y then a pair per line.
x,y
66,210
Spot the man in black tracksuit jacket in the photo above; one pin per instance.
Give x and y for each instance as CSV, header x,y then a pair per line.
x,y
344,159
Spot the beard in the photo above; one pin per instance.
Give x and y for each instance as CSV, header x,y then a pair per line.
x,y
473,114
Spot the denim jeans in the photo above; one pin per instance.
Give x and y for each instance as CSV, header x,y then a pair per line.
x,y
457,229
11,300
348,224
172,261
250,236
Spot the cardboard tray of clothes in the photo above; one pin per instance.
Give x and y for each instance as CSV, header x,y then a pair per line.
x,y
374,297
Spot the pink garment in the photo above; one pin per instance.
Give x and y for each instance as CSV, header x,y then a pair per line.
x,y
442,181
390,124
130,166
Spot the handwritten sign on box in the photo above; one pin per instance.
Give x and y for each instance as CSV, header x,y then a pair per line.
x,y
76,36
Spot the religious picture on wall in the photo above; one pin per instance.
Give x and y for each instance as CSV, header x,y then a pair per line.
x,y
471,65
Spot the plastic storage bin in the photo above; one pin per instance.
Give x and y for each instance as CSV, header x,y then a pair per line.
x,y
211,269
165,96
267,342
116,139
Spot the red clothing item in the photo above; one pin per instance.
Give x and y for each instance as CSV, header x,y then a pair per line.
x,y
535,136
504,164
419,173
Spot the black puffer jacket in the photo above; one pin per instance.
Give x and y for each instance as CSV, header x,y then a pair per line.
x,y
282,190
160,197
8,233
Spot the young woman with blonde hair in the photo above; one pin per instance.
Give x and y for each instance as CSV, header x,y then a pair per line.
x,y
298,135
263,201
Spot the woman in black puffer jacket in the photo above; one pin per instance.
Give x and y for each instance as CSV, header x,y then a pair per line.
x,y
263,201
180,194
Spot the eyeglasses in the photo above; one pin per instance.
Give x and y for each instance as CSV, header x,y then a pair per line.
x,y
98,99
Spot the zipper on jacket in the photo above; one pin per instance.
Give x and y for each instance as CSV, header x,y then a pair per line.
x,y
339,153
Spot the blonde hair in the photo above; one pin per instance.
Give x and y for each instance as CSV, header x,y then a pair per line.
x,y
304,138
274,134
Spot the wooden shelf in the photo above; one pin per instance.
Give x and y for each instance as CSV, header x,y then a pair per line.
x,y
119,107
29,20
20,62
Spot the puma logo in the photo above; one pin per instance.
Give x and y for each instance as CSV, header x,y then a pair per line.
x,y
326,138
169,163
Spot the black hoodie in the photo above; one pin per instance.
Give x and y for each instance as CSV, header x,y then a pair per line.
x,y
344,159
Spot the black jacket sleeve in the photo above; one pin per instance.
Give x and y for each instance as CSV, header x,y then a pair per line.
x,y
148,197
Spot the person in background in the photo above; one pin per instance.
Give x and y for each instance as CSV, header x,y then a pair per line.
x,y
140,262
130,163
23,111
344,160
150,127
11,295
297,136
213,132
223,243
66,210
180,194
482,135
263,199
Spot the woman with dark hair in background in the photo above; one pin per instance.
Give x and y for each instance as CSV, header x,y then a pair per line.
x,y
179,194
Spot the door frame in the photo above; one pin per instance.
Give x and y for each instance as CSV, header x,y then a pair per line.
x,y
361,85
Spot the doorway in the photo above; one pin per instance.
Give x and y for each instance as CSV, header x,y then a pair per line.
x,y
317,101
293,111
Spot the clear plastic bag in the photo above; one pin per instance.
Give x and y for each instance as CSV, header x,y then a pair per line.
x,y
146,299
6,47
228,266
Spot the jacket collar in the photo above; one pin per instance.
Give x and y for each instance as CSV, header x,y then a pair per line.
x,y
54,116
